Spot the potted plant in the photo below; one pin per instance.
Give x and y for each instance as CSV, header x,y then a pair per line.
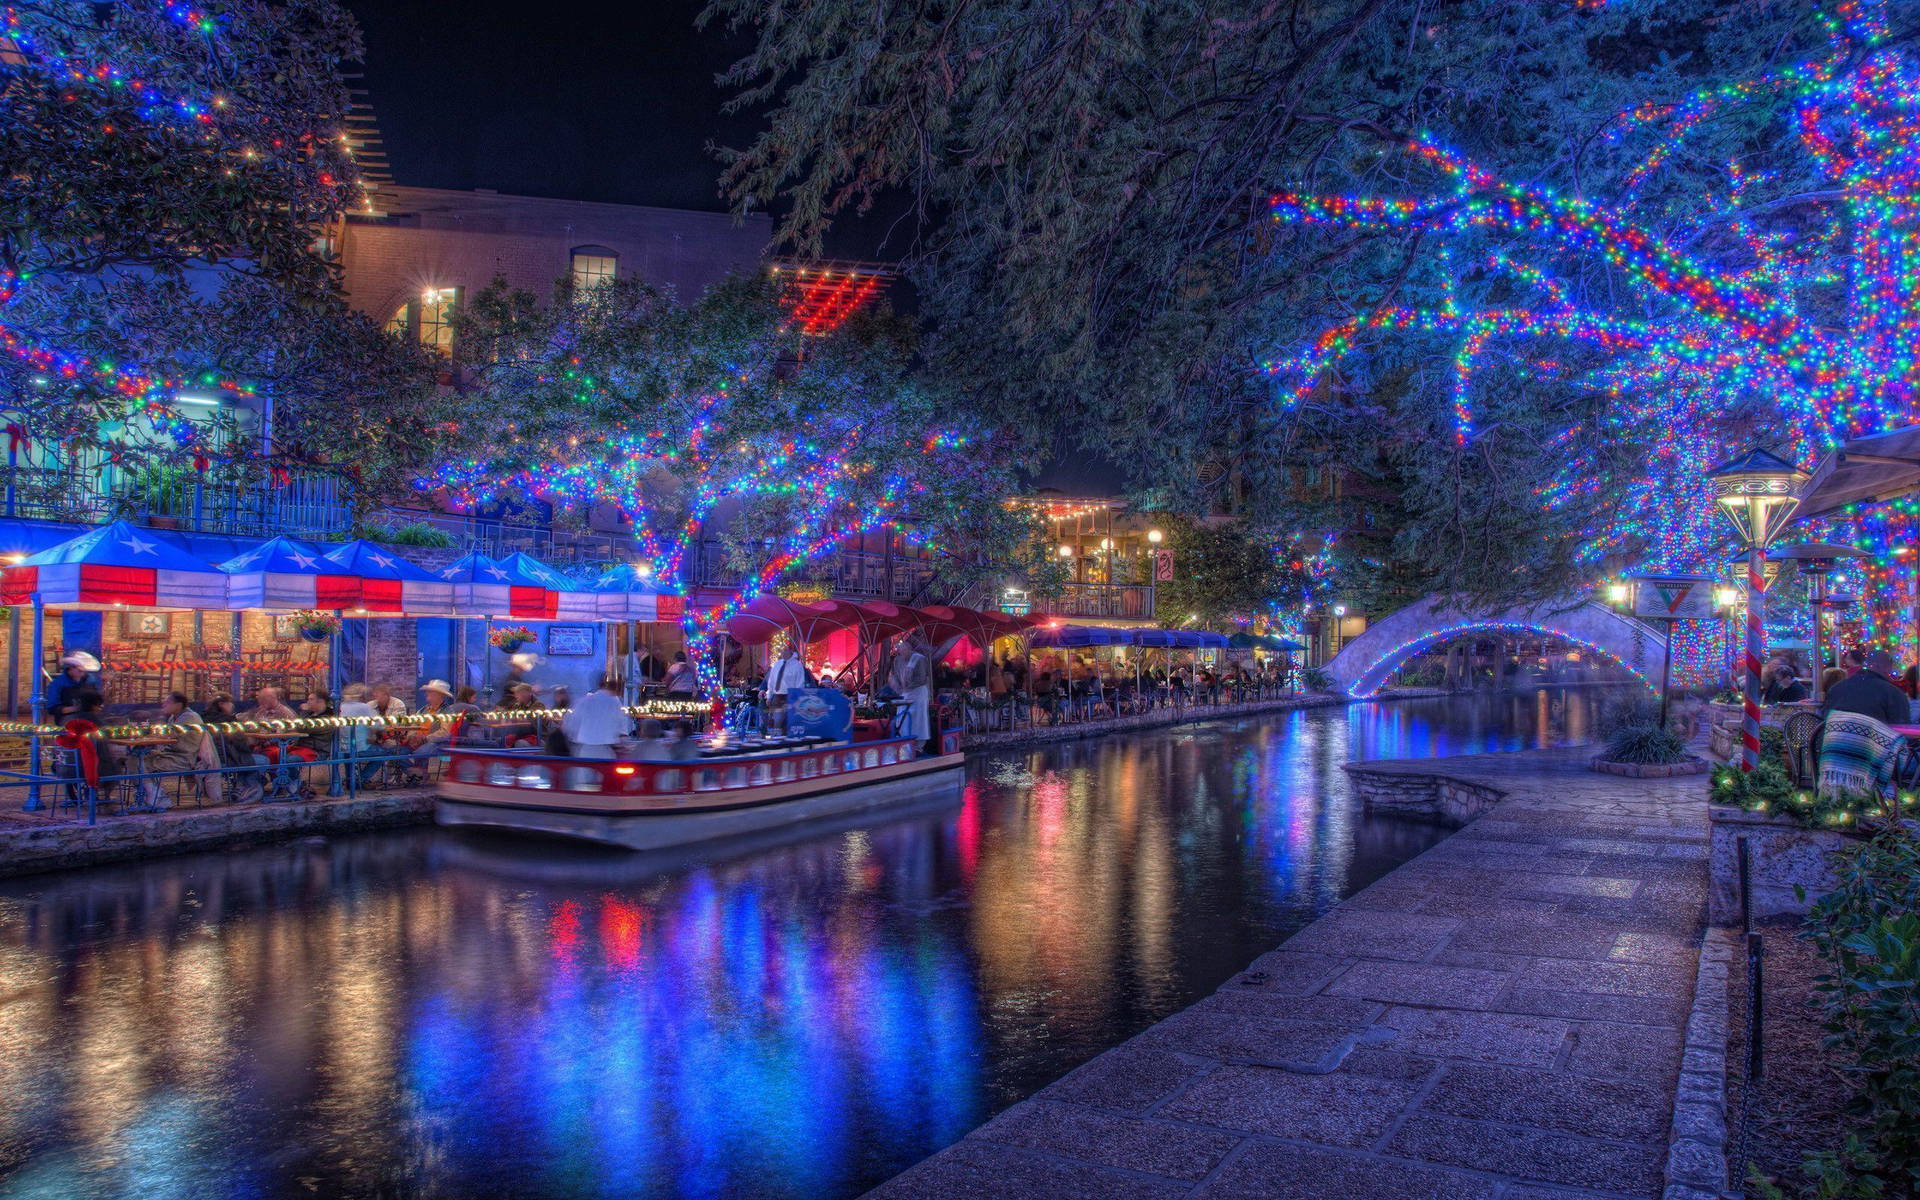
x,y
508,639
314,625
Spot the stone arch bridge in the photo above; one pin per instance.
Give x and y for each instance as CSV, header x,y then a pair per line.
x,y
1368,661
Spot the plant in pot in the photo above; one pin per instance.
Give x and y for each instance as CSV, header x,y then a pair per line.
x,y
508,639
315,625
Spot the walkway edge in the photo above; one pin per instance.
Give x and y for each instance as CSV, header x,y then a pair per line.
x,y
1697,1155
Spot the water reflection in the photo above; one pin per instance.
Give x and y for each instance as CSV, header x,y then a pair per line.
x,y
420,1014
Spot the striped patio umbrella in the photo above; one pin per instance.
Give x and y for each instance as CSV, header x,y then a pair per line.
x,y
116,566
287,574
391,585
623,594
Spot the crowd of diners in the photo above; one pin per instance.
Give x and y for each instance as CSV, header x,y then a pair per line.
x,y
262,741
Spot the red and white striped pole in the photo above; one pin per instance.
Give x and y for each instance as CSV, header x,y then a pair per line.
x,y
1756,614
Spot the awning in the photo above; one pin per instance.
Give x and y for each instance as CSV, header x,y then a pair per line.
x,y
1077,636
1885,466
286,574
543,593
116,566
623,594
391,585
479,586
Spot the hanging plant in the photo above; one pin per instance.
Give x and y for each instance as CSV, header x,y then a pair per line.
x,y
508,639
315,625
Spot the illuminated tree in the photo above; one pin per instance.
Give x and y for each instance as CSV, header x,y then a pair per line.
x,y
1776,296
716,422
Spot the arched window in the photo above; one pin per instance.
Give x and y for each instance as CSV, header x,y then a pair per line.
x,y
593,266
429,317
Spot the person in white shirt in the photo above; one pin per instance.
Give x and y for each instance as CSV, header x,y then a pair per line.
x,y
786,676
597,722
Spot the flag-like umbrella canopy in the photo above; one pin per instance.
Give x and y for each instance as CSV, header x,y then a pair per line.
x,y
479,585
541,592
624,594
392,585
285,573
1076,636
116,566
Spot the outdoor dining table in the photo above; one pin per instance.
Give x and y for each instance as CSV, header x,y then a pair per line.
x,y
138,747
283,776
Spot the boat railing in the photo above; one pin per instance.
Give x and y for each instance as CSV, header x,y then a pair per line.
x,y
514,771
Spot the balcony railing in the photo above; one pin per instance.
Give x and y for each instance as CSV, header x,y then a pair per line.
x,y
313,502
1128,601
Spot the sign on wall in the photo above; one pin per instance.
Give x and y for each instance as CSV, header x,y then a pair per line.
x,y
1673,597
1163,566
569,641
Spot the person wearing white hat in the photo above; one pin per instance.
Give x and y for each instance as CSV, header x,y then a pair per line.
x,y
79,671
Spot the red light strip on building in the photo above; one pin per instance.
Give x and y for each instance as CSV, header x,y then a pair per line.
x,y
821,300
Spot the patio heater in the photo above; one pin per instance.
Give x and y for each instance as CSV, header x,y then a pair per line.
x,y
1817,561
1757,493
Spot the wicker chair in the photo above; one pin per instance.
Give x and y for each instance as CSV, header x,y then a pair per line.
x,y
1803,730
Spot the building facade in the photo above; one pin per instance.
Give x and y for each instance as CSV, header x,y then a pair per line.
x,y
417,254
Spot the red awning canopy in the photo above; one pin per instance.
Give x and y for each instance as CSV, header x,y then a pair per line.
x,y
760,618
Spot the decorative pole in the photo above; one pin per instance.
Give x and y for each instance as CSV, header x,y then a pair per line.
x,y
1757,493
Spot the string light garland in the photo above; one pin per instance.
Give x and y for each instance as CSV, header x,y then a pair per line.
x,y
1803,315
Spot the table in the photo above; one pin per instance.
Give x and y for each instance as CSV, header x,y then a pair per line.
x,y
283,775
138,746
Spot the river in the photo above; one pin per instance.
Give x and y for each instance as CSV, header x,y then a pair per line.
x,y
430,1014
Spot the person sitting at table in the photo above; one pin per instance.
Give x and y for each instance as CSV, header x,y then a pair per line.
x,y
598,723
369,755
424,743
1858,745
680,678
650,744
385,703
1782,687
268,706
187,752
79,671
684,744
521,698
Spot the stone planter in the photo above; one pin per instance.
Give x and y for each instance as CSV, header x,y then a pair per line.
x,y
1782,854
1686,766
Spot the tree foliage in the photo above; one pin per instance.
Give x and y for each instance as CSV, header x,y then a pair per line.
x,y
1097,254
717,421
168,174
1222,572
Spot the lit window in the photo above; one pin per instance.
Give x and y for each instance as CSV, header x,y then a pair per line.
x,y
593,266
429,317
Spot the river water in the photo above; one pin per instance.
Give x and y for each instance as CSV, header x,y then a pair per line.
x,y
425,1013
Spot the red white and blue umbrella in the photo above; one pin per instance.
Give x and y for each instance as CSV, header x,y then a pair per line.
x,y
479,586
543,593
392,585
116,566
288,574
626,595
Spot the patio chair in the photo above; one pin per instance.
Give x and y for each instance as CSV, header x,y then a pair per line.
x,y
1802,735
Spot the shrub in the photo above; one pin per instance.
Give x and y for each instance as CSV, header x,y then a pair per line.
x,y
1868,930
1316,678
414,533
1646,744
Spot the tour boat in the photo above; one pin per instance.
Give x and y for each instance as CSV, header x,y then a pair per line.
x,y
739,788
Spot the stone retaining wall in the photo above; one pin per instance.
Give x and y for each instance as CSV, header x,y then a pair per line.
x,y
1412,794
27,848
1782,854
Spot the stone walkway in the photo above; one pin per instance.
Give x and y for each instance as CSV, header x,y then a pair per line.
x,y
1498,1019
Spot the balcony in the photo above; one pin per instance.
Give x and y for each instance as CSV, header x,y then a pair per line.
x,y
1111,601
314,502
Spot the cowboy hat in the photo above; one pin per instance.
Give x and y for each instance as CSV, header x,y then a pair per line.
x,y
526,660
438,685
80,658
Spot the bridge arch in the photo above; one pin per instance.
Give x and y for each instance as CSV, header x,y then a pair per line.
x,y
1368,661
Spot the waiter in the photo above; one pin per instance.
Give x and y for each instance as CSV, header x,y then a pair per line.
x,y
912,677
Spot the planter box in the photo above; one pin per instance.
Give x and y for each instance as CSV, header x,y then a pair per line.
x,y
1686,766
1781,853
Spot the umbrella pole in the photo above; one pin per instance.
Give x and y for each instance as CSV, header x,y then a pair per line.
x,y
39,703
486,689
233,656
13,664
335,643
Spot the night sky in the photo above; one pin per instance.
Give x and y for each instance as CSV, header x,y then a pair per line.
x,y
579,101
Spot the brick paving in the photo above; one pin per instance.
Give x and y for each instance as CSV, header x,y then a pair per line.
x,y
1499,1019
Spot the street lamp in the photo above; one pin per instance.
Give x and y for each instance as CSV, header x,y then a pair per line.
x,y
1817,561
1155,536
1757,493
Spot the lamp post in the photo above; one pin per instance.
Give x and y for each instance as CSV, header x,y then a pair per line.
x,y
1667,599
1817,561
1757,493
1726,598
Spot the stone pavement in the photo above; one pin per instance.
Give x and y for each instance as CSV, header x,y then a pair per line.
x,y
1499,1019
